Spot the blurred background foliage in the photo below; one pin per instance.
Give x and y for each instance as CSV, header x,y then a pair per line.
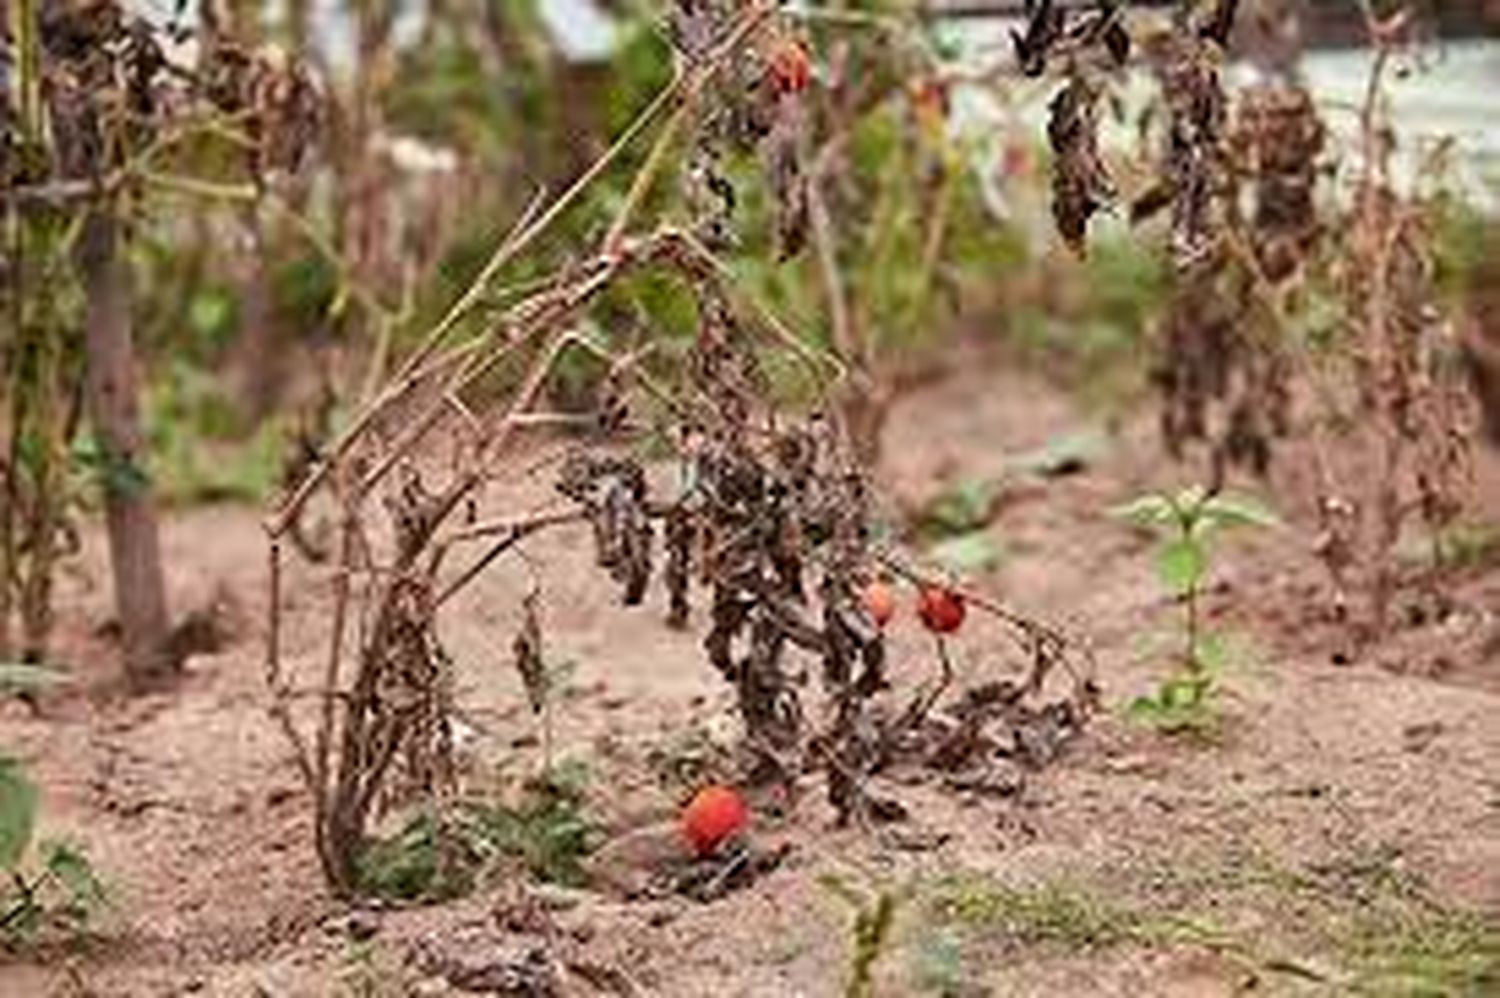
x,y
445,120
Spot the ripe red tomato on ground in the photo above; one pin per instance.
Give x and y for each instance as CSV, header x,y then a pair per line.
x,y
715,815
941,610
880,601
790,67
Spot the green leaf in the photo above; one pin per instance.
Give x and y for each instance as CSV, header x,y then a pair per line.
x,y
22,677
1064,455
1182,692
18,800
1190,500
1181,563
73,870
1213,653
970,554
967,506
115,473
211,316
1144,708
1147,511
1237,511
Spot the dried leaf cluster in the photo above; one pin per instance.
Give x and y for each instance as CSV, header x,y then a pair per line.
x,y
1088,48
116,91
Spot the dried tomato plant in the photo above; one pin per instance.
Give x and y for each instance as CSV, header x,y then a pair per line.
x,y
1242,332
769,517
1412,412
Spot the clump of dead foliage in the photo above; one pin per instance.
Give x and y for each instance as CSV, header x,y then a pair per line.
x,y
1272,327
757,522
1411,412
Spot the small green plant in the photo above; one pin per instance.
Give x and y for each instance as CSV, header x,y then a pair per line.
x,y
1357,923
438,855
1430,951
433,856
869,936
953,526
1187,521
962,508
53,887
548,831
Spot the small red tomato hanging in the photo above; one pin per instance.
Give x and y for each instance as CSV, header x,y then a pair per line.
x,y
929,95
881,602
941,610
789,67
715,815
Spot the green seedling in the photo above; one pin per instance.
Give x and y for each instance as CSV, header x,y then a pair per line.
x,y
964,507
1187,522
51,887
870,934
437,854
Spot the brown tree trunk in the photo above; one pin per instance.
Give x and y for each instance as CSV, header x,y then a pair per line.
x,y
9,491
134,549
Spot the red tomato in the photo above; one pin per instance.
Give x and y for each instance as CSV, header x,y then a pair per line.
x,y
790,67
941,610
880,601
930,97
1017,160
715,815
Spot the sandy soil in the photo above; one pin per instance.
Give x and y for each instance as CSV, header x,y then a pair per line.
x,y
1135,866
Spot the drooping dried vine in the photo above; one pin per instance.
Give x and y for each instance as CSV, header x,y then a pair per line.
x,y
1088,48
1222,376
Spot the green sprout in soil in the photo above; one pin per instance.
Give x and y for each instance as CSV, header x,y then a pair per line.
x,y
1187,522
870,934
52,888
441,854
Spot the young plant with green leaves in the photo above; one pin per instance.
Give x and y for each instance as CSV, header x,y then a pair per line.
x,y
53,887
442,853
1187,523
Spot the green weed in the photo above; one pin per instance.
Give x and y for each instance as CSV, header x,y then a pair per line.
x,y
1362,924
1052,913
440,855
1433,953
51,888
1187,522
870,933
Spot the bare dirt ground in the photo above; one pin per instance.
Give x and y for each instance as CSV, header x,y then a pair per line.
x,y
1342,836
